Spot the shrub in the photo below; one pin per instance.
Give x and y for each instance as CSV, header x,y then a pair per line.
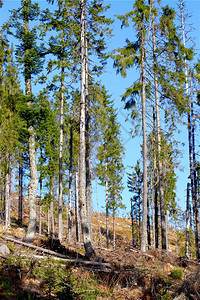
x,y
177,274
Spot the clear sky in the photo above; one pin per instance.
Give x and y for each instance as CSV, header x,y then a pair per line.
x,y
116,86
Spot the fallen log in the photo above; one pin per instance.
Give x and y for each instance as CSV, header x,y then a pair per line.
x,y
55,255
75,261
50,252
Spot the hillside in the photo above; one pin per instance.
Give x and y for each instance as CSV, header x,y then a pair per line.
x,y
121,273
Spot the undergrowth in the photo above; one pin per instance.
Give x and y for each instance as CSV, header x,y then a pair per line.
x,y
53,280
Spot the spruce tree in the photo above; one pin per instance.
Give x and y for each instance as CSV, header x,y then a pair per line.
x,y
109,168
29,55
125,58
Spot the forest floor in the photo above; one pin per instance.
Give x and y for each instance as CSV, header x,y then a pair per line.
x,y
121,273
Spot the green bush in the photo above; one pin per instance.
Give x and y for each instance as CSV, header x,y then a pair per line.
x,y
177,274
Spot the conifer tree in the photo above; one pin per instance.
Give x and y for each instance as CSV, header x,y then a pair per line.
x,y
10,123
187,56
134,184
109,168
125,58
29,55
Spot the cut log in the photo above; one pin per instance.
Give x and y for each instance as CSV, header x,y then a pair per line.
x,y
74,261
40,249
55,255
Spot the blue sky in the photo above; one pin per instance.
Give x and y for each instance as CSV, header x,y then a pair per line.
x,y
116,86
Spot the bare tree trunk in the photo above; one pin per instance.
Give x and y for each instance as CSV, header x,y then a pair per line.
x,y
194,171
48,222
60,192
187,240
190,142
20,199
82,176
148,224
143,99
77,214
156,219
40,207
114,237
52,209
132,225
7,194
107,214
160,171
32,187
88,142
97,200
70,181
88,171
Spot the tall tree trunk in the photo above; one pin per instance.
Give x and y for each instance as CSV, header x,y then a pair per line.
x,y
48,222
82,176
156,219
70,180
160,171
148,224
20,199
77,212
143,98
191,162
52,209
114,237
87,138
97,201
32,186
60,191
7,194
40,207
88,170
107,214
194,170
187,240
132,225
155,189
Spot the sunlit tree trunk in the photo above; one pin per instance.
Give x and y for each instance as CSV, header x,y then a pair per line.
x,y
77,213
82,170
107,214
190,142
160,171
60,191
20,196
7,194
97,201
52,209
187,240
40,207
144,198
70,180
114,233
88,155
32,186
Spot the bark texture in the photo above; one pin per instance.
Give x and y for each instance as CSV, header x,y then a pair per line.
x,y
32,186
82,176
143,99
